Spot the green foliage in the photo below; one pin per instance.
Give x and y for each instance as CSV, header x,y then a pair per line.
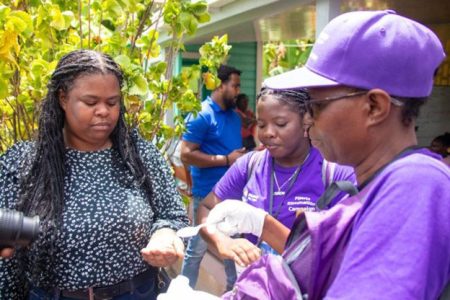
x,y
212,55
185,15
280,57
35,34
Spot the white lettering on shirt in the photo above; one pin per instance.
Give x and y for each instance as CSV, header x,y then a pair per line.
x,y
252,197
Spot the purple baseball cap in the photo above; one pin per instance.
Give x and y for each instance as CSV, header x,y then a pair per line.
x,y
370,49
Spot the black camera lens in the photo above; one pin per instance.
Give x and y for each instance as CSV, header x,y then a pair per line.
x,y
16,229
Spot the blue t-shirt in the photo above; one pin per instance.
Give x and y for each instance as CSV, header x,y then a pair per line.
x,y
218,132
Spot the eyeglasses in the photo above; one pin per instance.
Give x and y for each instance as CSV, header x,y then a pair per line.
x,y
313,106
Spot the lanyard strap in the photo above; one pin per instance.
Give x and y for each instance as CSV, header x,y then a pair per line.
x,y
291,184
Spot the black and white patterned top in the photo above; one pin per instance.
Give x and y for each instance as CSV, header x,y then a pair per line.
x,y
107,220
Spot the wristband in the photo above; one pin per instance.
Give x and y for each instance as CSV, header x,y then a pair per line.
x,y
228,161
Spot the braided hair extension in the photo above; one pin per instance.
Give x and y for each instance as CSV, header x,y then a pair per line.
x,y
42,188
296,99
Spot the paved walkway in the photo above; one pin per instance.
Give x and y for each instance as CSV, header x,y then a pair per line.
x,y
211,277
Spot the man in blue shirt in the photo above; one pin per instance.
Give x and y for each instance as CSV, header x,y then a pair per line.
x,y
212,142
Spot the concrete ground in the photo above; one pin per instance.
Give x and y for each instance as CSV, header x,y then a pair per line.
x,y
211,276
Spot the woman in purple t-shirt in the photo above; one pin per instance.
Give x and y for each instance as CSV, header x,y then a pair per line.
x,y
286,177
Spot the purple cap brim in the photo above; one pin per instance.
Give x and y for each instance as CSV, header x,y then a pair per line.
x,y
298,78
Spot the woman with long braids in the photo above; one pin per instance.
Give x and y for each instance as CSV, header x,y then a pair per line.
x,y
285,178
105,197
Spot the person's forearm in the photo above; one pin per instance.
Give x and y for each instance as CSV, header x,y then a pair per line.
x,y
163,231
212,239
202,214
202,160
275,233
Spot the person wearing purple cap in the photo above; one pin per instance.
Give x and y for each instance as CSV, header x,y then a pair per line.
x,y
368,75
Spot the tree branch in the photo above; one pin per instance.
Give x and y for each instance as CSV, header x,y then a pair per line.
x,y
140,29
89,24
81,22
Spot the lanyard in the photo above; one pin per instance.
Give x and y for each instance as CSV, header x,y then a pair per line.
x,y
291,184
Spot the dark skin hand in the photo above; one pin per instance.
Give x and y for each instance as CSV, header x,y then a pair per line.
x,y
191,155
163,249
242,251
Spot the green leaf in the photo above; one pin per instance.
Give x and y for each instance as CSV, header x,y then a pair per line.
x,y
124,61
192,26
109,24
57,19
16,24
113,7
148,104
204,18
224,39
37,68
199,8
4,11
139,87
69,17
152,35
185,19
96,6
3,88
145,117
26,24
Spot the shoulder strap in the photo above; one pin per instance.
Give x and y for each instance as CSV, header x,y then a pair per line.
x,y
300,225
446,292
294,284
332,190
254,158
327,172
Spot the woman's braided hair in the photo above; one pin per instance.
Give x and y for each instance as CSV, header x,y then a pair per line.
x,y
293,98
42,188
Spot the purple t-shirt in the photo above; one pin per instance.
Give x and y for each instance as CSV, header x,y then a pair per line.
x,y
303,193
400,243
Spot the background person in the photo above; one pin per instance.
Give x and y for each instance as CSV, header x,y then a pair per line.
x,y
248,122
106,198
211,143
441,146
289,175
